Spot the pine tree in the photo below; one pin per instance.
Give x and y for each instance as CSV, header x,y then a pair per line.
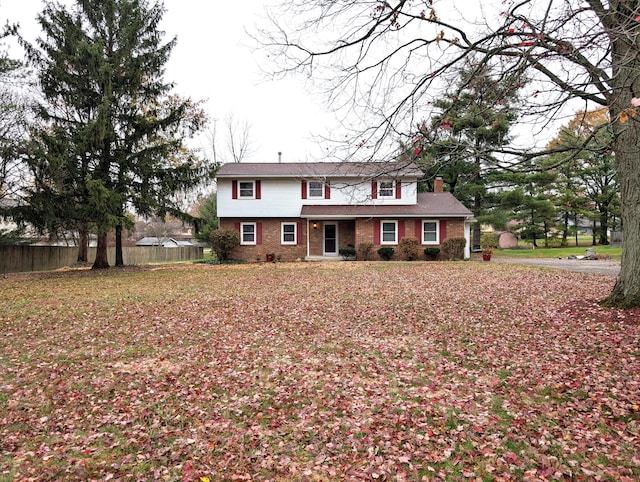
x,y
460,142
531,204
110,116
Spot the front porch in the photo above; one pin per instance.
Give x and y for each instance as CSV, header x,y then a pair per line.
x,y
327,236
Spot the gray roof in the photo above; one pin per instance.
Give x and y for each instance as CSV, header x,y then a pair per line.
x,y
164,242
365,170
430,204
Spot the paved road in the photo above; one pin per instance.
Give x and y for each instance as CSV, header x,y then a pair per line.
x,y
600,266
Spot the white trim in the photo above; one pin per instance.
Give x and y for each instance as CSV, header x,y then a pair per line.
x,y
309,196
253,190
308,236
395,232
437,223
255,234
295,233
467,236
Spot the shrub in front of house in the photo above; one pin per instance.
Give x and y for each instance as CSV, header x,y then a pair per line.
x,y
454,248
409,248
364,251
347,253
386,253
223,242
432,253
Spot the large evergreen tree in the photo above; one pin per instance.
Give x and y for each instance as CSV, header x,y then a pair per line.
x,y
459,142
113,135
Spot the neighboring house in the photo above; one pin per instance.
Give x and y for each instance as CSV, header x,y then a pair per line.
x,y
164,242
311,210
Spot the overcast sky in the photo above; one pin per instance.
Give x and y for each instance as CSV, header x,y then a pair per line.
x,y
212,62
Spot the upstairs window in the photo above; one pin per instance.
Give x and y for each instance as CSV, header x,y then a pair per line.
x,y
316,189
386,189
246,189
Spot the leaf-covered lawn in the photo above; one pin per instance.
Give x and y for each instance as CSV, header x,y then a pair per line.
x,y
309,371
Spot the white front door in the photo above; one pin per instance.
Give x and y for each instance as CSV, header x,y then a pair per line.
x,y
330,243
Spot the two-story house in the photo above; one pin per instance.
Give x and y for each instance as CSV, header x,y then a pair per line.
x,y
311,210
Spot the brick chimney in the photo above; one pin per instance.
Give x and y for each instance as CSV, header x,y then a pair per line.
x,y
438,185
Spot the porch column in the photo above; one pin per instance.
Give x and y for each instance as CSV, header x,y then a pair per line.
x,y
308,240
467,236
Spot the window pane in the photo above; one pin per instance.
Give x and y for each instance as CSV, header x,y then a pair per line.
x,y
246,189
430,231
389,232
315,189
288,233
386,188
248,233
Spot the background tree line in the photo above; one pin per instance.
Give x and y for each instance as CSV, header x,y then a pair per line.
x,y
542,198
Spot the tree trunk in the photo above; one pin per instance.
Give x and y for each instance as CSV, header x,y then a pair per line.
x,y
119,257
477,203
626,146
604,226
565,230
83,244
101,261
626,292
545,228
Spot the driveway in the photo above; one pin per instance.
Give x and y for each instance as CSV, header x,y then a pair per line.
x,y
609,267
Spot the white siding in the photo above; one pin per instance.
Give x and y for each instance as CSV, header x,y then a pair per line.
x,y
282,198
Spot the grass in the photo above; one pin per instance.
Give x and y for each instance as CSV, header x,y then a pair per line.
x,y
601,251
316,371
527,250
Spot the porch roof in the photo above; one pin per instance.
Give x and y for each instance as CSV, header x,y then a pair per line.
x,y
430,204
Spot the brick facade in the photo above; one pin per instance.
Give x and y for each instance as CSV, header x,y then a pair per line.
x,y
365,233
350,232
271,237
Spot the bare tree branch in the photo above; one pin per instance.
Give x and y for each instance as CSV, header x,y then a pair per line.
x,y
382,63
236,146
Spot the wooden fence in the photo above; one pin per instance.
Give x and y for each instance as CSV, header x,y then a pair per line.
x,y
16,259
